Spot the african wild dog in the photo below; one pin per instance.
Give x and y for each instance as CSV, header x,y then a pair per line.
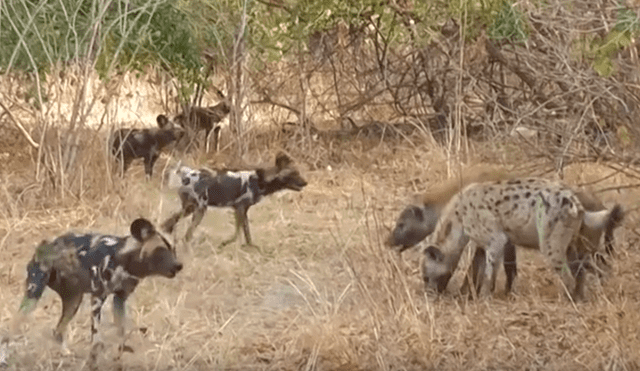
x,y
238,189
75,264
417,221
196,119
129,144
531,212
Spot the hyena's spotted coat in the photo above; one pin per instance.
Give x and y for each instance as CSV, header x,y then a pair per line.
x,y
530,212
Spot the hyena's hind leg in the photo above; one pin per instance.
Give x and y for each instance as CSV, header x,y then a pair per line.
x,y
556,233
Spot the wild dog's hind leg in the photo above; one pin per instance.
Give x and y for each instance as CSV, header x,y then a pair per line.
x,y
70,305
196,219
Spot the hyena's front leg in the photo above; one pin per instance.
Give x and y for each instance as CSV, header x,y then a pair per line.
x,y
96,340
495,255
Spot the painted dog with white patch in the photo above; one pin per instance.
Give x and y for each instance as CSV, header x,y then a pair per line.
x,y
101,265
240,190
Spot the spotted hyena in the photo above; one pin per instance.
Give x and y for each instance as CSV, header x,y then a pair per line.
x,y
530,212
419,219
101,265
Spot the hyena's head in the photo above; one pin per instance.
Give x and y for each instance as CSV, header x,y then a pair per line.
x,y
414,224
282,176
436,272
149,252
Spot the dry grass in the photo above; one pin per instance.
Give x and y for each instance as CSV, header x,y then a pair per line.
x,y
324,293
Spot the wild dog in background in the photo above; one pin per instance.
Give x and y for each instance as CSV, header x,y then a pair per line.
x,y
530,212
208,119
240,190
129,144
417,221
75,264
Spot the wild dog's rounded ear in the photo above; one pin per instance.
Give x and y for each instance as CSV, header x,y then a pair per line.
x,y
434,253
163,121
142,229
282,160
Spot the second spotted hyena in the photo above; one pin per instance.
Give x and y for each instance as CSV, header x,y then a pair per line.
x,y
530,212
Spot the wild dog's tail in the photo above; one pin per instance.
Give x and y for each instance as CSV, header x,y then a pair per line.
x,y
615,218
176,176
37,279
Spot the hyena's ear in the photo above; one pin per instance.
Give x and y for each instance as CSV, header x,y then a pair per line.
x,y
417,213
142,229
282,160
434,253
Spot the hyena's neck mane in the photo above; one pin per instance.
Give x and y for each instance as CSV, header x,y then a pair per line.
x,y
450,235
439,196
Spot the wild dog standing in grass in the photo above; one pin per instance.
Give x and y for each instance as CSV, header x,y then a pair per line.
x,y
75,264
417,221
200,189
530,212
205,118
129,144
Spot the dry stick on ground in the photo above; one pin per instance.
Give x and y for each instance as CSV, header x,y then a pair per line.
x,y
17,123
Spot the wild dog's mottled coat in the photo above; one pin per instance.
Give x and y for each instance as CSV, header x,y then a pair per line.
x,y
531,212
208,119
129,144
200,189
75,264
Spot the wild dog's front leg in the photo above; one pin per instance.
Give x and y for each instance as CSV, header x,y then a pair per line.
x,y
240,217
119,318
70,306
96,340
187,209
